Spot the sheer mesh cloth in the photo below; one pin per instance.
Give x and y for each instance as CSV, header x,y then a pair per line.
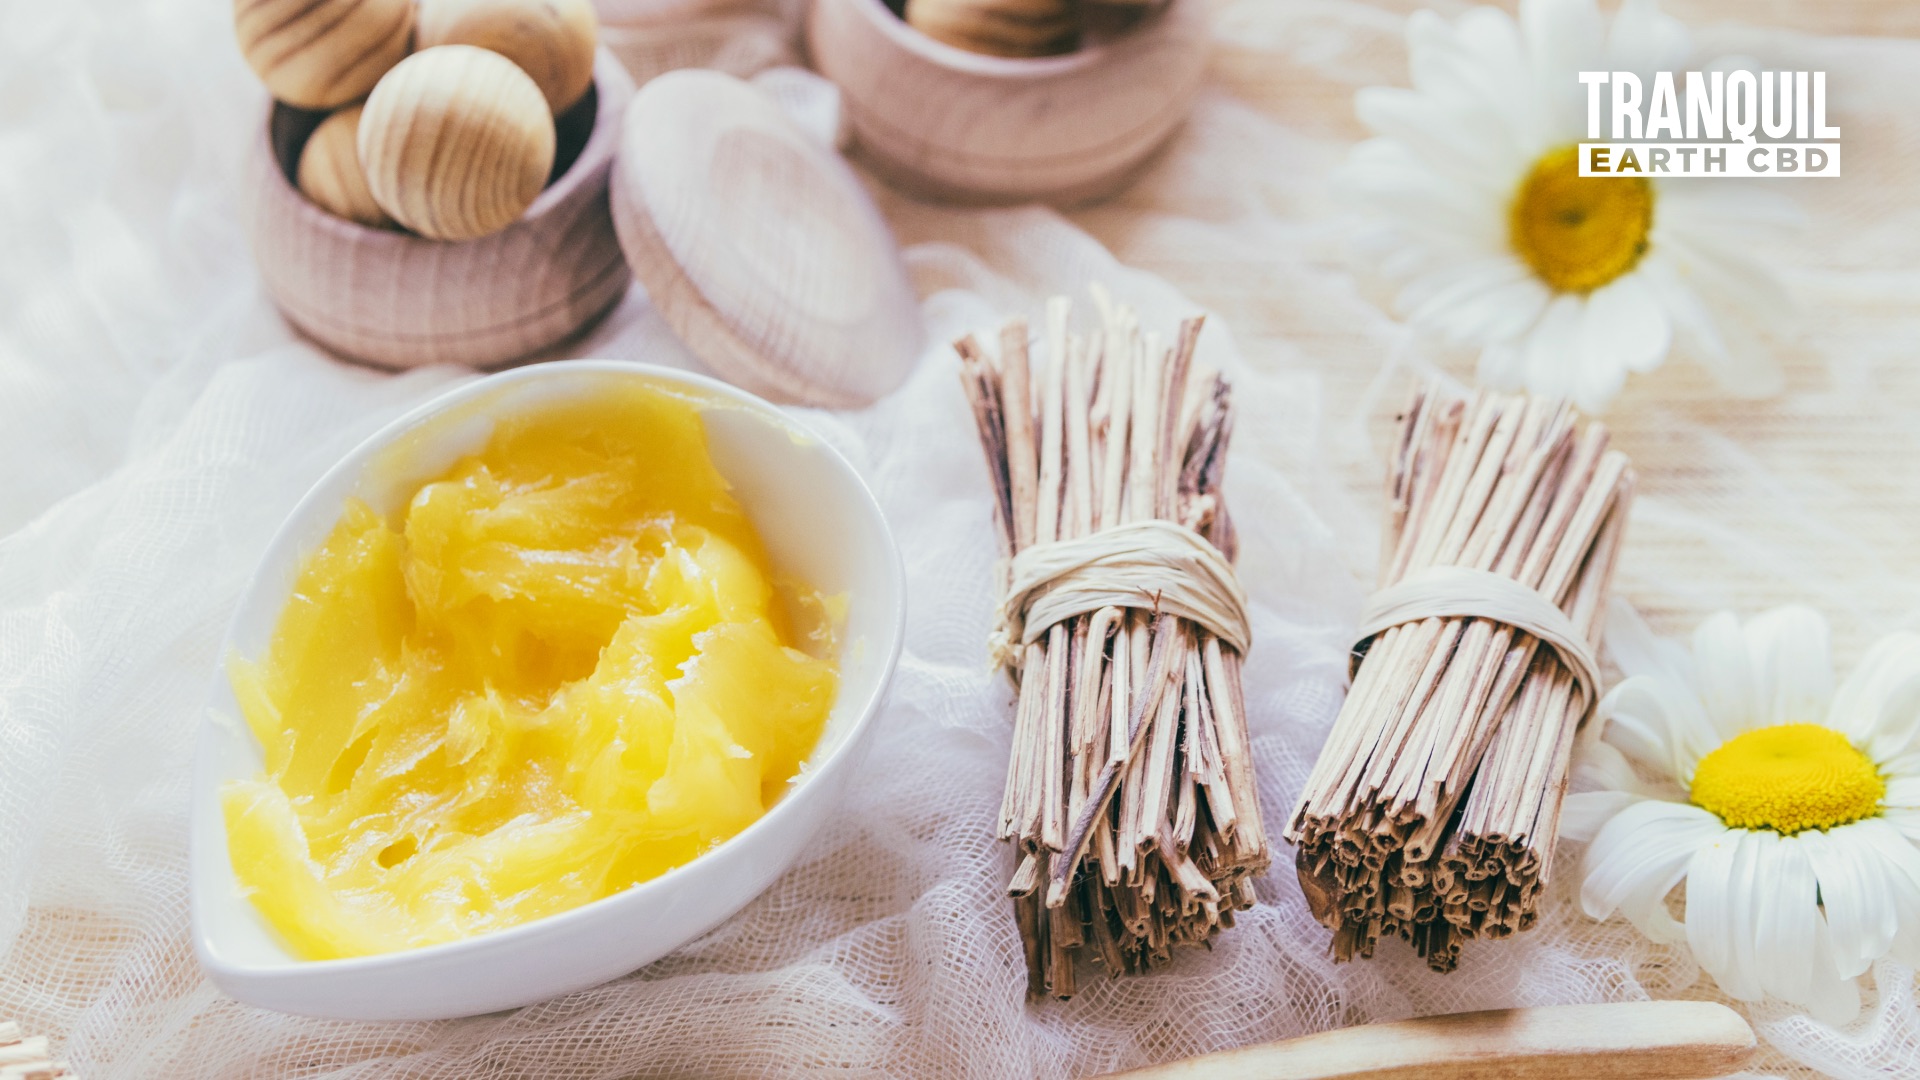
x,y
157,420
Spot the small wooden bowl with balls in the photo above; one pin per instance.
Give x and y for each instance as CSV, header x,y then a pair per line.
x,y
431,186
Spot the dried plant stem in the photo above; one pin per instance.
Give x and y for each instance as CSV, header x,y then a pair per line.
x,y
26,1057
1431,811
1130,790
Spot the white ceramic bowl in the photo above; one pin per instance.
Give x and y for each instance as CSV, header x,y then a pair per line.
x,y
819,523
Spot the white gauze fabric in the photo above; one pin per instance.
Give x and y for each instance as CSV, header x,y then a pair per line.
x,y
157,420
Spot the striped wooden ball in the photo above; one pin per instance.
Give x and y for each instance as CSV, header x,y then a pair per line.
x,y
321,54
456,141
999,27
330,172
551,40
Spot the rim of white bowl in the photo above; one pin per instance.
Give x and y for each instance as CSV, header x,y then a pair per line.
x,y
355,462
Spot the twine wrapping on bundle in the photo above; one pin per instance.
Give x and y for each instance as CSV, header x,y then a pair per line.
x,y
1440,592
1155,565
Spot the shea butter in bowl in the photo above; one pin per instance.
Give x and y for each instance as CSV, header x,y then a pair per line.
x,y
543,681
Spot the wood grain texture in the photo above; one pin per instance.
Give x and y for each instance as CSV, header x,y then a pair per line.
x,y
998,27
397,300
1634,1040
330,172
320,54
946,123
759,246
739,37
456,142
553,41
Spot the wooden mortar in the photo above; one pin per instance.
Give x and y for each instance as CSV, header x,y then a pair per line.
x,y
945,123
396,300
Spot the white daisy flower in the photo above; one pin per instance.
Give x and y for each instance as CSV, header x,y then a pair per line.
x,y
1565,283
1789,809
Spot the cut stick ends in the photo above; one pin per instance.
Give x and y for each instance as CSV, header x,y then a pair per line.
x,y
28,1057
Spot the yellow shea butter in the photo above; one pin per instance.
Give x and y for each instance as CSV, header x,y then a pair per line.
x,y
564,670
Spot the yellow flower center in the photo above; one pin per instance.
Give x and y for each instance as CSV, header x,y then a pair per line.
x,y
1579,232
1788,778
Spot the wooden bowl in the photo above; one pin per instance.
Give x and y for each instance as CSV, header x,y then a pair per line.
x,y
946,123
397,300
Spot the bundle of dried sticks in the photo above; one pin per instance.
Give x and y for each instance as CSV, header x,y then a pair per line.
x,y
26,1057
1130,792
1432,810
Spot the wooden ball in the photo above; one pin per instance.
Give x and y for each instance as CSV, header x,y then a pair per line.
x,y
321,54
998,27
456,141
330,172
551,40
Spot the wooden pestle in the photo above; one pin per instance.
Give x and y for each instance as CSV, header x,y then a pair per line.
x,y
1632,1040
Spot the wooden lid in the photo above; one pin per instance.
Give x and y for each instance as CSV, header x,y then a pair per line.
x,y
759,245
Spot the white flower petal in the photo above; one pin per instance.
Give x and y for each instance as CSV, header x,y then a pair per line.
x,y
1748,374
1898,859
1564,36
1638,857
1503,314
1584,813
1625,319
1831,999
1902,763
1721,266
1786,917
1603,784
1644,40
1723,674
1855,892
1792,664
1637,650
1904,822
1720,911
1490,69
1502,367
1747,886
1430,209
1597,375
1470,146
1429,297
1878,706
1659,723
1725,213
1903,793
1600,766
1622,329
1553,347
1405,184
1901,805
1493,299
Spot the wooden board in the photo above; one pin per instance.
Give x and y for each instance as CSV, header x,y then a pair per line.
x,y
943,122
396,300
759,246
